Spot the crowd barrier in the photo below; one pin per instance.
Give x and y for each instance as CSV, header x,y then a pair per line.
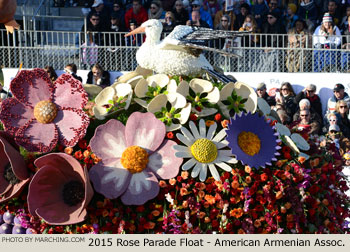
x,y
256,52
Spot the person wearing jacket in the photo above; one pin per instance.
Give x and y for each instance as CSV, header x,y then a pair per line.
x,y
205,16
98,76
137,13
338,94
310,93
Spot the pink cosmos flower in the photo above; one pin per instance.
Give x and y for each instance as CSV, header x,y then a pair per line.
x,y
60,190
133,158
42,113
13,170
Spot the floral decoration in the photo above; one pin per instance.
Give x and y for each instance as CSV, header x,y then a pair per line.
x,y
60,190
133,158
252,140
42,113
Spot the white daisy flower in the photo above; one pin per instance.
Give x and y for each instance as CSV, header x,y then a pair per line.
x,y
204,149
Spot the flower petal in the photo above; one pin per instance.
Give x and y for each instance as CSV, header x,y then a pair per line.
x,y
214,172
141,102
144,130
224,166
72,125
226,91
189,164
69,92
14,114
163,162
197,168
201,86
194,130
183,88
37,137
202,128
185,113
9,154
32,86
157,103
219,136
14,190
211,131
160,80
176,100
109,140
203,173
214,96
141,88
104,96
143,186
110,178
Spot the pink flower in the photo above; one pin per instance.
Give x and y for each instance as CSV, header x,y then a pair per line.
x,y
60,190
41,113
133,158
13,170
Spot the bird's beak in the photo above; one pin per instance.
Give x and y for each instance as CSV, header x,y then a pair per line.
x,y
136,31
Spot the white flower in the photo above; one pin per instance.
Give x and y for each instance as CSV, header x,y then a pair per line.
x,y
116,95
242,90
204,149
204,92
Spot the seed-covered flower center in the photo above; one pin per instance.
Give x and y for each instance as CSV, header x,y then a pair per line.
x,y
45,111
73,193
134,159
249,143
9,175
204,150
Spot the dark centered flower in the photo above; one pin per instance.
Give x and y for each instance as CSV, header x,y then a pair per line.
x,y
60,190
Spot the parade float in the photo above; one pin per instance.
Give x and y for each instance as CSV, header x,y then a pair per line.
x,y
160,153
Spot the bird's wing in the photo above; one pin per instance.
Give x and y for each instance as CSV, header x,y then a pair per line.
x,y
192,39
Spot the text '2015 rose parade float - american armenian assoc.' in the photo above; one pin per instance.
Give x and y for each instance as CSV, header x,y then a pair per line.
x,y
172,147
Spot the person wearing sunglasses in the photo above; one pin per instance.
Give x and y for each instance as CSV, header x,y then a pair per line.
x,y
261,91
204,15
180,12
287,99
156,11
309,92
342,113
338,94
305,104
305,125
169,22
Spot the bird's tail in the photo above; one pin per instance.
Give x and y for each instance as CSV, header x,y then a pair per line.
x,y
219,76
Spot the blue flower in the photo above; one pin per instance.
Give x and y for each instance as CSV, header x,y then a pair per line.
x,y
252,140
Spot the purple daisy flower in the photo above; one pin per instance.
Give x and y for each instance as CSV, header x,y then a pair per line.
x,y
252,140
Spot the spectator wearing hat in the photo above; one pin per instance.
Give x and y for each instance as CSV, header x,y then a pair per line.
x,y
204,15
334,135
306,125
273,26
291,16
309,93
98,7
327,35
308,11
137,13
338,94
315,117
261,92
180,13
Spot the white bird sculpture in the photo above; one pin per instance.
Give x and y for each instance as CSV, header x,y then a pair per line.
x,y
180,53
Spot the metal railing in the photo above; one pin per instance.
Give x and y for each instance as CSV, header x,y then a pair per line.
x,y
257,52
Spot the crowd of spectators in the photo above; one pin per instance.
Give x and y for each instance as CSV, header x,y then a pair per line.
x,y
302,112
271,23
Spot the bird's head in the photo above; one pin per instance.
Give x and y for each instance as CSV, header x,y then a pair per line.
x,y
153,29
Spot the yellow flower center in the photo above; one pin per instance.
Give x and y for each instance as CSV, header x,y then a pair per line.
x,y
45,111
204,150
249,143
134,159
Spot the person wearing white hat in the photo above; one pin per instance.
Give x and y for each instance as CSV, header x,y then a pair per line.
x,y
327,35
99,8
